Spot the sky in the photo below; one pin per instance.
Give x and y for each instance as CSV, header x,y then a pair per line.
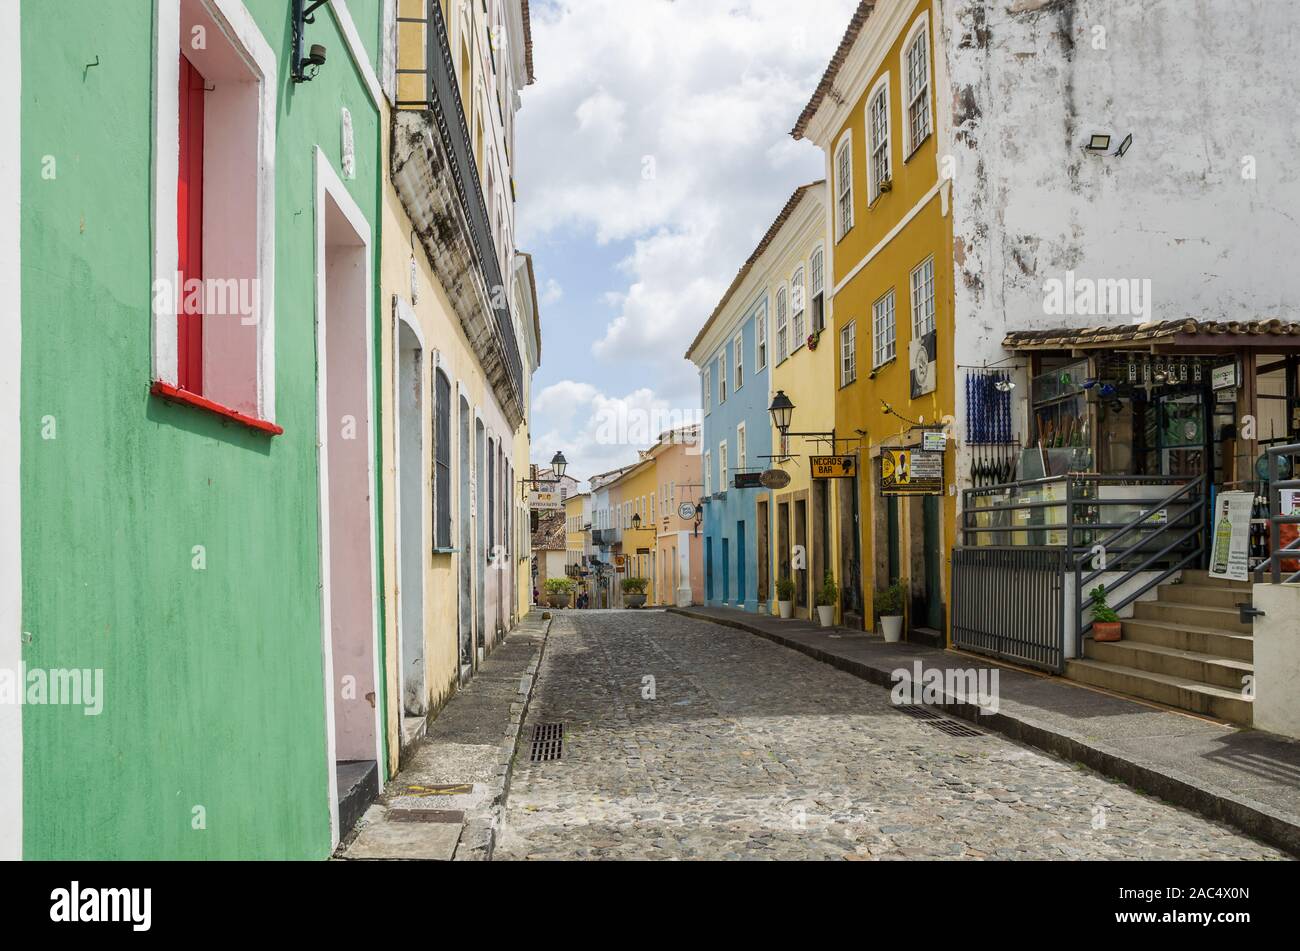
x,y
653,153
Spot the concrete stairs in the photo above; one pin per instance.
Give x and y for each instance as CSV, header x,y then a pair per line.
x,y
1187,649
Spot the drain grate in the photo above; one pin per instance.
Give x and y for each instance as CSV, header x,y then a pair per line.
x,y
954,727
548,742
921,713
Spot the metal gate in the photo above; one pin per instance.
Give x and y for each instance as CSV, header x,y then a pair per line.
x,y
1010,603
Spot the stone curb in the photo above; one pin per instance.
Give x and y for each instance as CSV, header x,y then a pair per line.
x,y
1256,819
478,837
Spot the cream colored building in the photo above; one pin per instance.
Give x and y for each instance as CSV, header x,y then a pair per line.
x,y
460,342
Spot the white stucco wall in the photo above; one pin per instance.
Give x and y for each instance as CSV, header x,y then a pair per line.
x,y
1207,89
1277,658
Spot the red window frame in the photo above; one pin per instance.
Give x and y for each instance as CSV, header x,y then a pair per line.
x,y
189,228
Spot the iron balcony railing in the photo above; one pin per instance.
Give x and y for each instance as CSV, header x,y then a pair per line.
x,y
1277,552
1132,532
449,116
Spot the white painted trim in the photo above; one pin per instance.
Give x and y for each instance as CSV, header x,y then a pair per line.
x,y
329,183
922,22
343,17
241,32
873,186
893,233
11,576
403,313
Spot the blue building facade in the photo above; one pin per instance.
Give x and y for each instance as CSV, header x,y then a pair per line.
x,y
737,437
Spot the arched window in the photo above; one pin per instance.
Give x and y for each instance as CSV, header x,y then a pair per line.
x,y
878,139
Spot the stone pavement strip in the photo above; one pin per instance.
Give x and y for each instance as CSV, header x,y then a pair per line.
x,y
446,801
685,739
1247,778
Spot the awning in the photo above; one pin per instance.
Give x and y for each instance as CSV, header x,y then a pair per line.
x,y
1272,334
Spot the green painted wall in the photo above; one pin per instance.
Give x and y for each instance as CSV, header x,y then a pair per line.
x,y
213,679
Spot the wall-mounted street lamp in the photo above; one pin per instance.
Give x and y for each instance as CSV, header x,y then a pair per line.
x,y
782,412
636,521
305,68
559,464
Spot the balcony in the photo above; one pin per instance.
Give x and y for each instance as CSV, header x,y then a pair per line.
x,y
436,176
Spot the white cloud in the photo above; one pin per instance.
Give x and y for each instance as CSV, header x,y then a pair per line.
x,y
666,125
598,432
552,292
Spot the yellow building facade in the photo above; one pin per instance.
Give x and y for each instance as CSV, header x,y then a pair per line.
x,y
891,304
801,518
634,499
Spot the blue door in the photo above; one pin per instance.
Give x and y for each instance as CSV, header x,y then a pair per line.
x,y
740,564
726,570
708,569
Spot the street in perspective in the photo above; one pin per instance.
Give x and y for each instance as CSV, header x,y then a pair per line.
x,y
595,433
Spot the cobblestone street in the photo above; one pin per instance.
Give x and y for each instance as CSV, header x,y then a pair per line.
x,y
749,750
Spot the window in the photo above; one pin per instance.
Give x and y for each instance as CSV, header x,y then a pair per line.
x,y
708,390
708,473
798,333
782,328
923,299
738,345
844,187
918,89
760,337
722,376
817,290
878,130
442,514
741,462
724,475
849,353
213,273
882,336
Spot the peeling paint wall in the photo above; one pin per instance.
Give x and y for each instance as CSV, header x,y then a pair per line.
x,y
1208,90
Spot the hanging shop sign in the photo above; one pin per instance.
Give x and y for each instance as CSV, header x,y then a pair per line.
x,y
1223,377
834,467
911,472
1230,557
924,374
620,562
775,478
544,500
934,440
686,511
748,480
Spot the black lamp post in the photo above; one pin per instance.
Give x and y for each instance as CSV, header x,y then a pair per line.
x,y
636,521
559,464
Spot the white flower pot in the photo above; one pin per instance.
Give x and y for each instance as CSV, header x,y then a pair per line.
x,y
786,608
826,614
892,627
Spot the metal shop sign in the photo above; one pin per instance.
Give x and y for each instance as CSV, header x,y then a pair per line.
x,y
834,467
544,500
911,472
748,480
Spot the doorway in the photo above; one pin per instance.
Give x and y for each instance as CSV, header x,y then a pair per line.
x,y
411,518
345,438
478,490
742,592
764,557
465,593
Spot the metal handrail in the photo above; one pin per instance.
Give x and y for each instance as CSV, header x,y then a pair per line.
x,y
1276,520
1196,531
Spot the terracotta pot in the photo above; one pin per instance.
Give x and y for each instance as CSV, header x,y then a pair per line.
x,y
1106,630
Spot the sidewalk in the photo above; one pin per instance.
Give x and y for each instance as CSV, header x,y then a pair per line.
x,y
1246,778
446,802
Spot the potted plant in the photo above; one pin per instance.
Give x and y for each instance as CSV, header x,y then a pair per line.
x,y
827,598
634,592
1105,621
889,611
558,591
785,597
